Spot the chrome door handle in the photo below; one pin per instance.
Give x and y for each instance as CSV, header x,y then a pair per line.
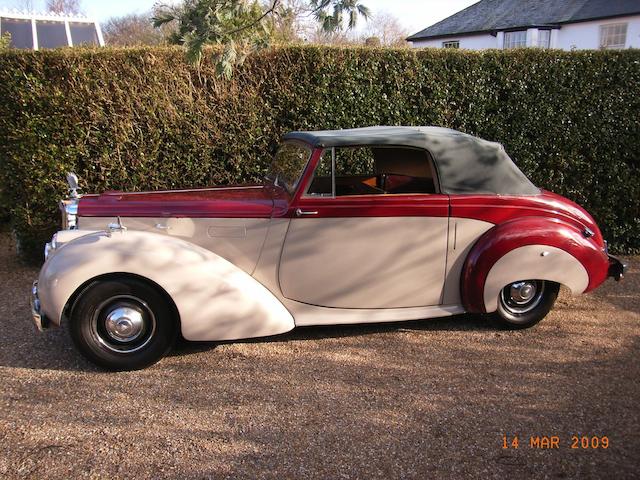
x,y
161,226
301,213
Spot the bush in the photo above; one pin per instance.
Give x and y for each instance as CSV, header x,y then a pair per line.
x,y
136,119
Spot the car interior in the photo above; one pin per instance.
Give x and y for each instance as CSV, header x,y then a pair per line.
x,y
374,170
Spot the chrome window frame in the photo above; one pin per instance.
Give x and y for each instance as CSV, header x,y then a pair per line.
x,y
307,194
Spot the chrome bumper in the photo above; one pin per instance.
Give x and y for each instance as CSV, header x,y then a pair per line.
x,y
39,319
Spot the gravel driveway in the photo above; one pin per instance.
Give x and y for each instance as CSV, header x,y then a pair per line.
x,y
428,399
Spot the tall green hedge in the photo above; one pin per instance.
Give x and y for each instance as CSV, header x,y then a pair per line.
x,y
137,119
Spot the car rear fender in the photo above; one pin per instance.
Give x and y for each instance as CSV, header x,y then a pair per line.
x,y
215,300
526,249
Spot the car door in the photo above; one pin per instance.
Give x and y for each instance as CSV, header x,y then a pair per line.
x,y
369,231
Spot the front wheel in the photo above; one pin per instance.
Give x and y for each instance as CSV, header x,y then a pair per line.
x,y
122,324
524,303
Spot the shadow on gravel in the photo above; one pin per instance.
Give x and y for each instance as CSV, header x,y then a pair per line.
x,y
54,350
466,322
23,347
622,294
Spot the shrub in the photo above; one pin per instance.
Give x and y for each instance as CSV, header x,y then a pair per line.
x,y
137,119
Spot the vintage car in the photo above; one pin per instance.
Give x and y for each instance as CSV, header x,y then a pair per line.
x,y
374,224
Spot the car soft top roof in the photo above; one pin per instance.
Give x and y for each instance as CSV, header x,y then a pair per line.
x,y
465,164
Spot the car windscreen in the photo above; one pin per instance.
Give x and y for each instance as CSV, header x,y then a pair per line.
x,y
288,165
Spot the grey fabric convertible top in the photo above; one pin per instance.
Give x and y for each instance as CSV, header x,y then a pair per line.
x,y
465,164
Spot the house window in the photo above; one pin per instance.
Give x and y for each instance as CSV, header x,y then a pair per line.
x,y
20,31
376,170
51,34
515,39
451,44
613,35
83,34
544,38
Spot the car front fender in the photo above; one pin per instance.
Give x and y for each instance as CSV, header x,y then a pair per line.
x,y
532,248
215,300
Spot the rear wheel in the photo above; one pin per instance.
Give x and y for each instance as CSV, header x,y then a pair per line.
x,y
524,303
122,324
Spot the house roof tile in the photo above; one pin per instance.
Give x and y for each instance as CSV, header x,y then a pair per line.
x,y
494,15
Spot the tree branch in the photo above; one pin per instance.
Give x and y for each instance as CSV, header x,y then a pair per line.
x,y
257,21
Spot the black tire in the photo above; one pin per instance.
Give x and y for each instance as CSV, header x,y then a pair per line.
x,y
122,324
517,311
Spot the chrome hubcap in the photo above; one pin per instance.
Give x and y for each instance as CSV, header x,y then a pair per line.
x,y
522,297
123,324
522,292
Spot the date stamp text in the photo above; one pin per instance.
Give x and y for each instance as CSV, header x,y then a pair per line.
x,y
548,442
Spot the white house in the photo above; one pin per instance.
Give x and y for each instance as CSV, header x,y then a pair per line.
x,y
563,24
36,31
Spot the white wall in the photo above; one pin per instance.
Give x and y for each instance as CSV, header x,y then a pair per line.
x,y
471,42
585,35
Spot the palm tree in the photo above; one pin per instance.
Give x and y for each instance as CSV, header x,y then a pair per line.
x,y
242,25
334,21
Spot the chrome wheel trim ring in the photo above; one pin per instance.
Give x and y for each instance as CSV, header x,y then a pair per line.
x,y
522,297
123,324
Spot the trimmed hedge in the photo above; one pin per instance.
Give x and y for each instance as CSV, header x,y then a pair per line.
x,y
136,119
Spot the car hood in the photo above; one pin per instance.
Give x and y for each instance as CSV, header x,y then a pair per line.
x,y
247,201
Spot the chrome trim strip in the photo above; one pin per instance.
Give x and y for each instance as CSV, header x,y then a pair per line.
x,y
333,172
187,190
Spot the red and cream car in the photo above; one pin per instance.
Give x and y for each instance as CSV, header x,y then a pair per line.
x,y
375,224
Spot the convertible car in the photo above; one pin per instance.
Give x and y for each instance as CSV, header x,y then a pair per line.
x,y
375,224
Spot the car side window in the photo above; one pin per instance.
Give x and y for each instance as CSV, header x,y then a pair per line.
x,y
350,171
322,182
